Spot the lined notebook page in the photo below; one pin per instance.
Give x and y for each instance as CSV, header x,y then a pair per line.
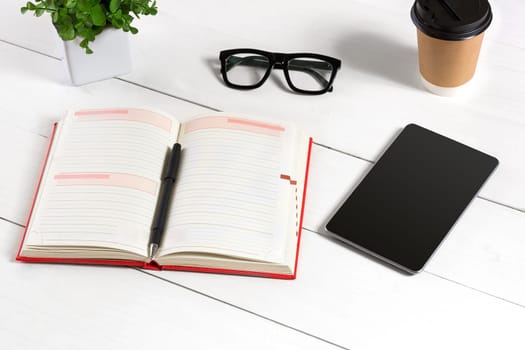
x,y
233,194
101,186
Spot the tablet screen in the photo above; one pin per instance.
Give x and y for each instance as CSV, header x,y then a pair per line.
x,y
411,198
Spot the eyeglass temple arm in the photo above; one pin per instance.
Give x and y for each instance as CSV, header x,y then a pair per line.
x,y
298,65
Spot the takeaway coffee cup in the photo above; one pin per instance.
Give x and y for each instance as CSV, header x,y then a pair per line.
x,y
449,37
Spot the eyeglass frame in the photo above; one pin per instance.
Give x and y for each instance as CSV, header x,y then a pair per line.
x,y
277,60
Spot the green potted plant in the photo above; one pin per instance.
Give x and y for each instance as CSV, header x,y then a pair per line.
x,y
94,33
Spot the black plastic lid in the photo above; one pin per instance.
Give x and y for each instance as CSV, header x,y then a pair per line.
x,y
451,19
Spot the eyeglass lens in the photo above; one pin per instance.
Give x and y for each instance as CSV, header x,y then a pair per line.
x,y
309,74
246,69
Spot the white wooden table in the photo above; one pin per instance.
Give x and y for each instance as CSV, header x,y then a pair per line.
x,y
471,295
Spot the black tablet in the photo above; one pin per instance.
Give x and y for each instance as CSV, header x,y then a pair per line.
x,y
410,199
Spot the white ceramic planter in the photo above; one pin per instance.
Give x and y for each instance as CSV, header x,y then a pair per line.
x,y
111,57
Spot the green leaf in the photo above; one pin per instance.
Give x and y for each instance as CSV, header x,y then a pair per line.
x,y
71,4
39,12
51,5
23,9
98,15
67,32
97,31
153,8
114,5
133,30
83,5
85,45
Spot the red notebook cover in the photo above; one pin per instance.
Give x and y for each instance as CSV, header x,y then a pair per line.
x,y
153,265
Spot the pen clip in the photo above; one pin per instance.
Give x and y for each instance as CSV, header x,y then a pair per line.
x,y
173,163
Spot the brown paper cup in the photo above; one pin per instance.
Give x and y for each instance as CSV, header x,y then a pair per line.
x,y
449,37
447,64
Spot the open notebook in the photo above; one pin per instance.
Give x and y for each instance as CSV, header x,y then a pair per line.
x,y
236,208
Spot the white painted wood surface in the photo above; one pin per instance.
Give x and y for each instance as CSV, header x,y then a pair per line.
x,y
471,293
83,307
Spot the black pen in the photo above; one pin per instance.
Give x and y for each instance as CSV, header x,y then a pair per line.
x,y
167,184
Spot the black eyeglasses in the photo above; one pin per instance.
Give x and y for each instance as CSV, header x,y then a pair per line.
x,y
307,73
